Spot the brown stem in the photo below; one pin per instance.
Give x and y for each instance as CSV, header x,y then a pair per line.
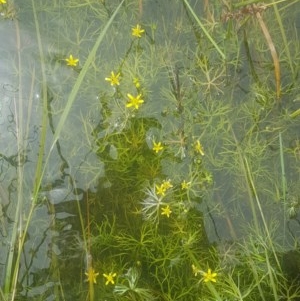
x,y
272,50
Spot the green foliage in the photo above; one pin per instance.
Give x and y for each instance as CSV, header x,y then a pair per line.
x,y
169,139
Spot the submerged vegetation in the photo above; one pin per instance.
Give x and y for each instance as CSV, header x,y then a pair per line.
x,y
150,150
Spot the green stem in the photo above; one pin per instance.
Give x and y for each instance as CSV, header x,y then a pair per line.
x,y
214,291
78,84
204,30
283,179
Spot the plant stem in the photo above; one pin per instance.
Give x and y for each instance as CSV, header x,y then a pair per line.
x,y
204,30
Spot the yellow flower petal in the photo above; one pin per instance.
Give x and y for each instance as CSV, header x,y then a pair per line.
x,y
110,278
136,82
113,79
167,184
72,61
134,102
166,211
160,190
199,148
137,31
91,275
196,271
209,276
157,147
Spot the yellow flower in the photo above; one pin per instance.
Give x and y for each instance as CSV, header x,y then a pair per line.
x,y
185,185
196,271
110,278
157,147
91,275
166,211
136,82
134,101
199,148
113,79
160,189
72,61
2,1
209,276
167,184
137,31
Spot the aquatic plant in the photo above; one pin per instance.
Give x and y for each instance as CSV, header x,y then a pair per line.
x,y
150,155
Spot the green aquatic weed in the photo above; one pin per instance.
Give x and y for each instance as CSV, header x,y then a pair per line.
x,y
185,185
151,204
129,287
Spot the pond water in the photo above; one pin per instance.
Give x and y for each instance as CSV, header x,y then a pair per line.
x,y
149,150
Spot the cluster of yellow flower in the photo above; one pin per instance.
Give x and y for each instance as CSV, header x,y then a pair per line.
x,y
133,101
92,275
157,147
161,189
114,79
